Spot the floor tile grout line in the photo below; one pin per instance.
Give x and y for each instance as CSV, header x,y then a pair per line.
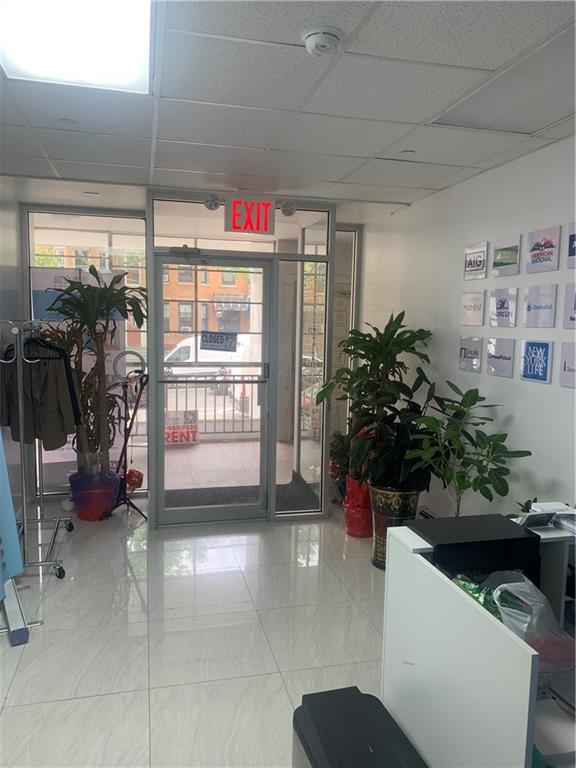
x,y
74,698
268,642
339,579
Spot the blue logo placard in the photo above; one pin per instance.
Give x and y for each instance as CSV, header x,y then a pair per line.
x,y
536,361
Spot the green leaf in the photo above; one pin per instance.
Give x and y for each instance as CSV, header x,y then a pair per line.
x,y
500,485
454,388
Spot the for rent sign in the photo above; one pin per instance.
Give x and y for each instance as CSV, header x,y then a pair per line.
x,y
181,428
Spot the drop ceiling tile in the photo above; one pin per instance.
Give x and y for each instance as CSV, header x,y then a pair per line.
x,y
560,130
462,175
271,21
10,112
172,155
390,90
524,148
364,213
339,135
95,148
18,140
210,124
464,34
26,166
102,172
435,144
402,174
301,165
244,74
305,187
535,93
194,181
93,110
345,191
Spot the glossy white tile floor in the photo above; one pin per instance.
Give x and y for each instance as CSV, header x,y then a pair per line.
x,y
189,647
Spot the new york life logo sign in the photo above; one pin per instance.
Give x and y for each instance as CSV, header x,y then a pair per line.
x,y
537,361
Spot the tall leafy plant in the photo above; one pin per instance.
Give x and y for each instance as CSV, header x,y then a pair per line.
x,y
91,312
382,445
373,380
376,364
454,446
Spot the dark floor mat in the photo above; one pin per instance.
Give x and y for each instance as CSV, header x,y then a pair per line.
x,y
294,496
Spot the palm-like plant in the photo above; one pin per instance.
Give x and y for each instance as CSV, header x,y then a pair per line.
x,y
376,365
90,313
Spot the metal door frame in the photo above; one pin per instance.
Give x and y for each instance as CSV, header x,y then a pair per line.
x,y
183,195
200,258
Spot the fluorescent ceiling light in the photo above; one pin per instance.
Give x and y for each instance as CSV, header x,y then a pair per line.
x,y
97,43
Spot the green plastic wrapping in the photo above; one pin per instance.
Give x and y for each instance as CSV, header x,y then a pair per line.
x,y
485,596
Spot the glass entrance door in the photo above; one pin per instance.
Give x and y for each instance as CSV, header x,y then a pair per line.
x,y
214,334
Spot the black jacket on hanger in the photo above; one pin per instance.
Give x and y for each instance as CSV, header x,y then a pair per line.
x,y
51,410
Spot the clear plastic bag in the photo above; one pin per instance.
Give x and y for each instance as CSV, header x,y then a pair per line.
x,y
534,621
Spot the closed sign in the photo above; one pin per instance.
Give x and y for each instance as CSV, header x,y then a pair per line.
x,y
250,214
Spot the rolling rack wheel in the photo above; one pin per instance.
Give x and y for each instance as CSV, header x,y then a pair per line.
x,y
59,571
69,526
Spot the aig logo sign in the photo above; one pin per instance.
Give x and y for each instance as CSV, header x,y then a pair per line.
x,y
475,258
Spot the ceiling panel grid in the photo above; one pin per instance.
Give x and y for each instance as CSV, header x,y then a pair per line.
x,y
421,96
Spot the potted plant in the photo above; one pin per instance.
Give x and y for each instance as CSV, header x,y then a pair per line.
x,y
459,452
375,369
381,455
90,314
339,459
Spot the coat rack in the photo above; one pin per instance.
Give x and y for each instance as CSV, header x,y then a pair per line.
x,y
20,360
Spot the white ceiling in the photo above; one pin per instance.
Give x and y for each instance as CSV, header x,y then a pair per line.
x,y
422,96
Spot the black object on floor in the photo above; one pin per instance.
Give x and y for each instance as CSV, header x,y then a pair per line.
x,y
349,729
481,543
295,495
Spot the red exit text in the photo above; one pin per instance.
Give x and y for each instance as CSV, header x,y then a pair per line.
x,y
250,215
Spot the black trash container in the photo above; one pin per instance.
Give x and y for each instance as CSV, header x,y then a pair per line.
x,y
349,729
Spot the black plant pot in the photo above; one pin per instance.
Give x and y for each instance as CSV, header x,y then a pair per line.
x,y
389,508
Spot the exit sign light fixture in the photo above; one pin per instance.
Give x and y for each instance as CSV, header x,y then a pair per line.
x,y
254,215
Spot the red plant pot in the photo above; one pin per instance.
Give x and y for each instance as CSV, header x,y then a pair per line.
x,y
358,514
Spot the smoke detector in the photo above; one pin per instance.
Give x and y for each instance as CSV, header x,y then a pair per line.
x,y
319,40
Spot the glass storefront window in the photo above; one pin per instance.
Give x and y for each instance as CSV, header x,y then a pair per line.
x,y
65,246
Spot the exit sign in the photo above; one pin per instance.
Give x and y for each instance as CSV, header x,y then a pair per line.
x,y
250,214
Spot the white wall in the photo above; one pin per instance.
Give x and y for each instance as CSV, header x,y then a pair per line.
x,y
413,260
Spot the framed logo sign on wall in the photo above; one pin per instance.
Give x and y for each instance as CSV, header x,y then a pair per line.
x,y
540,306
506,256
572,246
475,260
568,365
500,357
470,355
472,308
537,361
543,250
503,307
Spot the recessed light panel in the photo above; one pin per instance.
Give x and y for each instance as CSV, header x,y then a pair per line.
x,y
97,43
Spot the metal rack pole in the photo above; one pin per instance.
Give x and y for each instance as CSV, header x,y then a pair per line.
x,y
48,560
